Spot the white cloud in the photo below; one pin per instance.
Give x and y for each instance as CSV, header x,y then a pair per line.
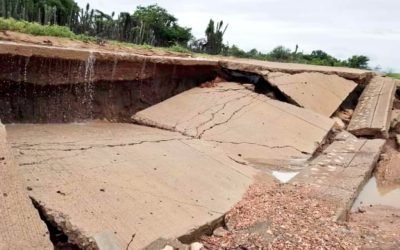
x,y
340,27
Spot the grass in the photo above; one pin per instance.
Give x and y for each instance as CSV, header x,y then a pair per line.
x,y
394,75
37,29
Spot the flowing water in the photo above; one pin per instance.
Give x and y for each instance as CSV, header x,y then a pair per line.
x,y
89,87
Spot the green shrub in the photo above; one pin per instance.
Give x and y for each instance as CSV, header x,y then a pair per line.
x,y
179,48
394,75
35,28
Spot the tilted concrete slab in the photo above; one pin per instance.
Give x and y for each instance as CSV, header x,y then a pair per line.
x,y
246,124
319,92
125,179
340,171
20,223
264,68
373,112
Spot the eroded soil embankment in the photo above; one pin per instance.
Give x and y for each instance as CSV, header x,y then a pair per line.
x,y
42,90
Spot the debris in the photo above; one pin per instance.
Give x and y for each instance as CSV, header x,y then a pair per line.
x,y
361,210
168,247
220,232
196,246
339,124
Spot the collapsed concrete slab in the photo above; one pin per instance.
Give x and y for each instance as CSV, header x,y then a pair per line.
x,y
246,124
264,68
319,92
20,223
94,178
373,112
341,170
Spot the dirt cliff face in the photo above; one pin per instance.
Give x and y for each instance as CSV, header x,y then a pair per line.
x,y
39,90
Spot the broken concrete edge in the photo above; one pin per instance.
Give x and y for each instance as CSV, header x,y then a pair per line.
x,y
141,120
263,68
206,229
28,50
192,236
344,202
227,72
373,131
32,218
343,212
62,223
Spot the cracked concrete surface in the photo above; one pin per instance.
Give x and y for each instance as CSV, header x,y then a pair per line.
x,y
341,170
373,112
245,124
20,224
125,179
265,67
310,90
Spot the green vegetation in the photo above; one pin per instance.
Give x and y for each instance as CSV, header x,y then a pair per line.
x,y
394,75
282,54
146,26
35,28
180,49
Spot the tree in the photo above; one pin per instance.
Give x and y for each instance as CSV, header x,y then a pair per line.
x,y
358,61
215,37
280,53
160,26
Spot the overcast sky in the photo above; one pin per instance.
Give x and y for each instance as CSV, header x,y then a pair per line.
x,y
339,27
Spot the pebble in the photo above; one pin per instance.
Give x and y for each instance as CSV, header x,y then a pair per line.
x,y
220,232
168,247
196,246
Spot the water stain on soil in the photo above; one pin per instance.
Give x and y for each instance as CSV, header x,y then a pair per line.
x,y
373,194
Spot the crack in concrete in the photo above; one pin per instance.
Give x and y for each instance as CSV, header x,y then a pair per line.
x,y
213,115
261,145
47,160
62,223
227,120
100,146
206,110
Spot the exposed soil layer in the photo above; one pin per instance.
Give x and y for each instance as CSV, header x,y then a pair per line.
x,y
66,42
41,90
285,217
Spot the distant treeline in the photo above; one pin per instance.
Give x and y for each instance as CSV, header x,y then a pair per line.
x,y
282,54
153,25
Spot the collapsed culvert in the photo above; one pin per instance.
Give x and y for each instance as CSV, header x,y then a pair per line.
x,y
53,90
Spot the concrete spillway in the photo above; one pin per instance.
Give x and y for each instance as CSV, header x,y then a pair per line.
x,y
199,146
